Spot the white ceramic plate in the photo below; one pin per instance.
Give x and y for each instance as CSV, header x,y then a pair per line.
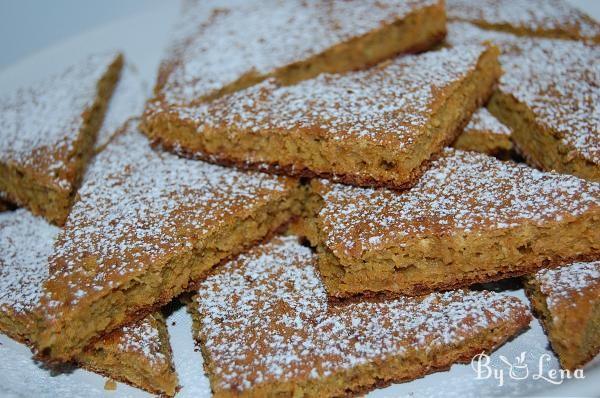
x,y
143,37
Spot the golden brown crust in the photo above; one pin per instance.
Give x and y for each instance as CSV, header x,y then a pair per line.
x,y
266,329
50,144
539,145
520,323
470,218
297,171
539,18
548,97
290,41
461,282
138,353
148,236
567,302
348,138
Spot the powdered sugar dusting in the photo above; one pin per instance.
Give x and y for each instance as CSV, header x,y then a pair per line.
x,y
143,338
39,125
461,192
483,120
462,33
534,16
559,285
139,207
265,318
386,105
127,101
25,244
559,80
218,42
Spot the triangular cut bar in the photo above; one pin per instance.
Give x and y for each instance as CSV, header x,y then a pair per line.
x,y
146,227
567,302
541,18
547,97
266,328
222,46
470,218
378,127
47,134
139,354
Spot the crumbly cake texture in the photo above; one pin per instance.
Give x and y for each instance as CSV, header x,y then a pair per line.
x,y
378,127
47,134
126,103
542,18
147,226
554,115
547,97
485,134
470,218
139,354
266,329
567,301
223,46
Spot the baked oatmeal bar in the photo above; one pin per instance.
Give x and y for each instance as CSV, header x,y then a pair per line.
x,y
542,18
147,226
470,218
47,134
267,329
139,354
549,97
127,102
567,302
378,127
223,46
485,134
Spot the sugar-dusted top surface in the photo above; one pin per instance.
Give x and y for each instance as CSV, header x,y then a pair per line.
x,y
465,33
559,81
462,192
144,338
217,42
483,120
138,208
562,286
40,124
391,104
25,244
534,16
265,318
127,102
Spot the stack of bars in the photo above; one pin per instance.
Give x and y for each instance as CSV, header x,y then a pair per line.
x,y
321,183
